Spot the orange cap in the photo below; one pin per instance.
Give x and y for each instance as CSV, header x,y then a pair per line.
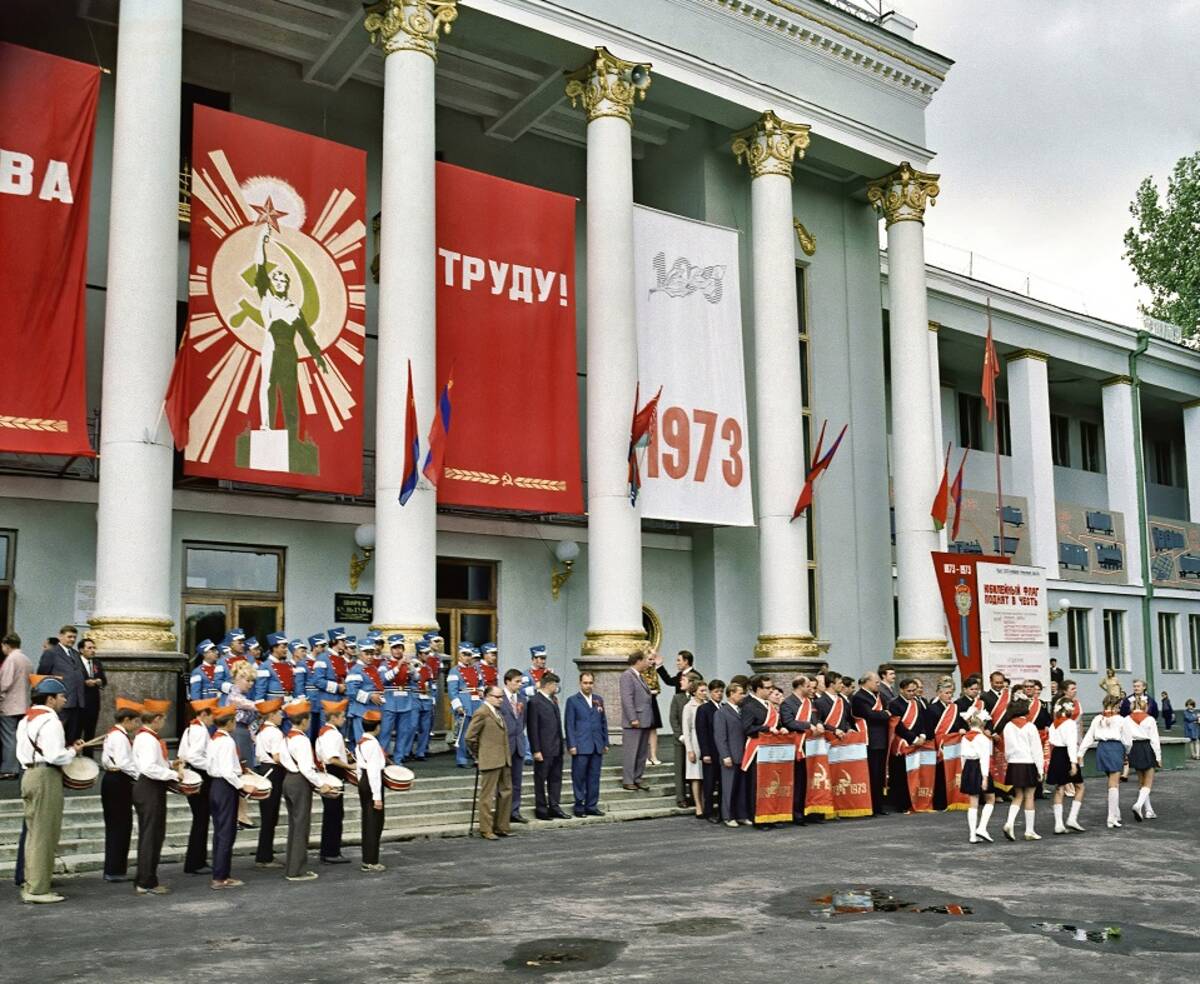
x,y
125,704
298,708
36,678
334,706
268,706
372,716
223,713
207,704
156,706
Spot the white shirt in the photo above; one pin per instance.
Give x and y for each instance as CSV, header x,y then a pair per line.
x,y
296,755
42,726
194,746
370,760
223,760
978,746
1110,728
268,743
148,757
117,752
330,745
1023,745
1066,735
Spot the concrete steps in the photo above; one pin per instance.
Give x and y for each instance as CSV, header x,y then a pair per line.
x,y
436,806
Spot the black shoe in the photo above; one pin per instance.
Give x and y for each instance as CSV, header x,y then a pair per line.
x,y
338,860
247,826
203,870
578,813
716,820
764,826
517,818
116,878
558,814
593,813
540,816
420,758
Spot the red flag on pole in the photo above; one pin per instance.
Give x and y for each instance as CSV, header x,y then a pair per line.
x,y
439,432
941,501
643,421
956,491
412,444
991,369
820,463
177,404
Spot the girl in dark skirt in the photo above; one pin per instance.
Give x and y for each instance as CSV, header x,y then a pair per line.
x,y
976,781
1023,753
1145,753
1112,737
1064,771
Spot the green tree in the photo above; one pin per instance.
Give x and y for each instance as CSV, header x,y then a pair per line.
x,y
1163,247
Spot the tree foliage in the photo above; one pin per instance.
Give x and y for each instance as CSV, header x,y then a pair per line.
x,y
1163,247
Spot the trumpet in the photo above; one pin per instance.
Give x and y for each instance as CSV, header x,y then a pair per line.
x,y
458,730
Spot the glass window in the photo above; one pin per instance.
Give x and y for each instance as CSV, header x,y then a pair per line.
x,y
1167,651
1060,440
970,425
6,551
1079,643
1114,639
463,581
1089,446
1004,428
1164,473
1194,634
233,569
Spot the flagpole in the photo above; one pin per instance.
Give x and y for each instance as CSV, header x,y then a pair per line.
x,y
996,449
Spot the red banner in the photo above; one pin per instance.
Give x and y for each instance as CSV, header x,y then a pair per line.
x,y
47,119
951,753
850,775
775,762
921,764
960,600
506,324
819,796
276,331
999,765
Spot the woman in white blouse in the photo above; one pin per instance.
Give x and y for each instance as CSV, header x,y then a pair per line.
x,y
1023,753
694,769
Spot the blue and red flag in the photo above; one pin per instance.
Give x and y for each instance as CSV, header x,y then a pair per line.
x,y
819,464
412,444
439,431
956,491
639,436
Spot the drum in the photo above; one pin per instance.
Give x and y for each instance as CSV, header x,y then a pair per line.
x,y
255,787
188,785
349,776
331,780
80,773
397,778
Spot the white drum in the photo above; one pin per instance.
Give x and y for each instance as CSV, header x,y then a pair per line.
x,y
255,787
333,781
80,773
397,778
188,785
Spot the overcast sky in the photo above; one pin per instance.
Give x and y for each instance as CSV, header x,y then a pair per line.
x,y
1052,114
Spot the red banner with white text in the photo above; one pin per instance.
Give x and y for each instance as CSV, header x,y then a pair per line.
x,y
960,600
47,121
272,382
775,769
506,327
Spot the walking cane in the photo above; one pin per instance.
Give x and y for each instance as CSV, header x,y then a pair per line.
x,y
474,798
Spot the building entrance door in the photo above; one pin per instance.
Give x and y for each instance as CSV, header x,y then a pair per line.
x,y
466,591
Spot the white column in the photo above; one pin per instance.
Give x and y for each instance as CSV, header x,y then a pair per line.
x,y
133,520
406,536
607,87
769,148
1191,441
1032,458
1120,467
902,196
939,437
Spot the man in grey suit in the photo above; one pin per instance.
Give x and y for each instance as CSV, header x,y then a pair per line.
x,y
730,739
512,709
637,718
63,661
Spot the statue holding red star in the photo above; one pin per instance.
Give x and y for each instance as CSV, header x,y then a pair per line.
x,y
268,214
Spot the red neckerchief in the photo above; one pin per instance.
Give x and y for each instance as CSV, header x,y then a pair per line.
x,y
1020,722
325,728
35,711
1058,721
373,672
1138,716
161,744
117,729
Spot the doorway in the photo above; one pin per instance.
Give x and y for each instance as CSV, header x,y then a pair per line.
x,y
466,611
227,585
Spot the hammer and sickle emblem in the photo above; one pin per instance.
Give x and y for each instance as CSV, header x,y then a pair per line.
x,y
506,479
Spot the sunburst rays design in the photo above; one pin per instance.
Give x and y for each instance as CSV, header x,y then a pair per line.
x,y
218,332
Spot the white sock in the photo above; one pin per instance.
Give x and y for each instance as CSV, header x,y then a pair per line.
x,y
985,815
1114,806
972,818
1142,796
1058,821
1029,815
1013,810
1075,808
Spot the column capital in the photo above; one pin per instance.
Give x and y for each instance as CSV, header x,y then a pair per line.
x,y
934,326
409,25
608,85
1191,405
770,145
1116,381
901,195
1026,354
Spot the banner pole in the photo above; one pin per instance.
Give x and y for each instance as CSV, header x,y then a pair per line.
x,y
996,451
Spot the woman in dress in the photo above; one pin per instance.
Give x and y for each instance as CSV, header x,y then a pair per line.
x,y
1145,753
694,769
245,720
1110,684
976,780
1112,737
1064,772
1024,755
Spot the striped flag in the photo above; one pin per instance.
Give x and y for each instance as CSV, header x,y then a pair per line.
x,y
439,431
412,444
819,464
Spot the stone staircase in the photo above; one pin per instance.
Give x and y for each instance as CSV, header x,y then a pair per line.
x,y
436,806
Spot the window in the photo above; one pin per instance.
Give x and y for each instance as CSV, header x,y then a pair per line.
x,y
1114,639
1089,446
8,551
806,423
1079,643
1194,634
1004,427
1060,440
970,422
1168,654
1164,473
227,585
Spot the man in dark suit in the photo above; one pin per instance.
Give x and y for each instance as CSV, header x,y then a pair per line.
x,y
867,705
887,683
62,661
754,722
546,743
587,741
512,709
94,680
907,712
684,664
797,714
730,740
709,759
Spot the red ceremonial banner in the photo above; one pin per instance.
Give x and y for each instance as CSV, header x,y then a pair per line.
x,y
921,764
819,797
999,765
506,324
775,763
960,600
271,385
850,775
951,752
47,120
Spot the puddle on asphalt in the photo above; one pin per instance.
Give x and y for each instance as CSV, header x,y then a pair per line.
x,y
1081,934
857,901
447,889
563,955
705,926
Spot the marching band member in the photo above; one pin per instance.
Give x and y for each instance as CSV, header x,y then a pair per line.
x,y
296,757
368,763
537,667
150,794
254,650
116,788
399,710
1145,752
297,655
364,687
1065,765
1024,755
42,752
207,677
233,650
277,678
267,747
1112,738
316,669
225,772
193,753
427,694
462,687
976,782
330,749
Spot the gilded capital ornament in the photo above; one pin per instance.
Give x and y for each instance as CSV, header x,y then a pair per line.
x,y
131,633
771,145
901,195
608,85
620,643
409,25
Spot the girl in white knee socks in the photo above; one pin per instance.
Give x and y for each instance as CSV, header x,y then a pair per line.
x,y
1064,770
1025,758
1144,755
976,781
1112,737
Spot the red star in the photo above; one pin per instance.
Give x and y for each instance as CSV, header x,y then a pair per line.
x,y
269,214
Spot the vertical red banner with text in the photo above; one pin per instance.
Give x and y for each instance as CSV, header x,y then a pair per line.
x,y
960,600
